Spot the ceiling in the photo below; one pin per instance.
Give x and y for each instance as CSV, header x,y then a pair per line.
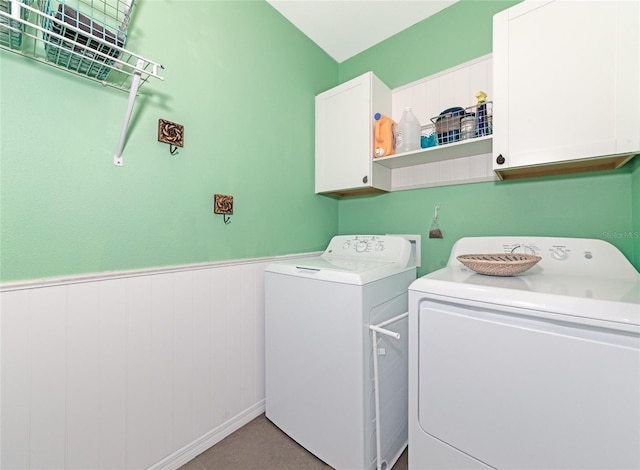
x,y
344,28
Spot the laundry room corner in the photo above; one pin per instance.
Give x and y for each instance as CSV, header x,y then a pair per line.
x,y
599,204
171,269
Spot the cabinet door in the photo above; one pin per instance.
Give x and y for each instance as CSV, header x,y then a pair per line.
x,y
344,134
566,80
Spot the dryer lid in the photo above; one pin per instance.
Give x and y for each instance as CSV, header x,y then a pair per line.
x,y
577,278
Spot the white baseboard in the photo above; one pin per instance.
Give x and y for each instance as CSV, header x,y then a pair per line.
x,y
204,442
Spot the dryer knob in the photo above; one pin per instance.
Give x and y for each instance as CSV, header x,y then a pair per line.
x,y
527,249
559,254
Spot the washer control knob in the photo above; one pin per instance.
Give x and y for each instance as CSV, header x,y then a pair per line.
x,y
559,253
379,246
346,244
361,246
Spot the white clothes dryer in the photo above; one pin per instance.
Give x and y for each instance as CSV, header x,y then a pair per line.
x,y
318,349
535,371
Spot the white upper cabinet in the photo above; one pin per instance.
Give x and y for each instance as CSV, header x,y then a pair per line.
x,y
344,137
566,87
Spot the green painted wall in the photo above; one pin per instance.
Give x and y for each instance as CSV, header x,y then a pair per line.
x,y
242,81
635,201
593,206
565,207
453,36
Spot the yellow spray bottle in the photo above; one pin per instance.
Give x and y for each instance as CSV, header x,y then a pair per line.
x,y
481,113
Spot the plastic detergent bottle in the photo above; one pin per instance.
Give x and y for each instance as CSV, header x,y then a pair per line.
x,y
408,132
384,136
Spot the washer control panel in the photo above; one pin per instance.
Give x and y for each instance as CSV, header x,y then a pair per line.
x,y
374,247
364,243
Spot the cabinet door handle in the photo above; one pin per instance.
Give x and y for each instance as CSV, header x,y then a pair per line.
x,y
365,179
500,160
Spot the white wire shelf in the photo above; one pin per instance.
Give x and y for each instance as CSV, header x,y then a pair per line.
x,y
71,48
86,41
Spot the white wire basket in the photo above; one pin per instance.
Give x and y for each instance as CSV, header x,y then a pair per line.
x,y
85,33
84,37
455,124
480,119
11,30
89,46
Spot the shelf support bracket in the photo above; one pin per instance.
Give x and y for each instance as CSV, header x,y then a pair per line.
x,y
135,84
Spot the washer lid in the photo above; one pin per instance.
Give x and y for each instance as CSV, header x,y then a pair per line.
x,y
353,259
597,298
342,270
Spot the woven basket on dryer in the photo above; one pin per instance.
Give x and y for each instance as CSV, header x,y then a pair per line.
x,y
499,264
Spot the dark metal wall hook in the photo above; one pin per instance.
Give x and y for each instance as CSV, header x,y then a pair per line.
x,y
223,204
172,134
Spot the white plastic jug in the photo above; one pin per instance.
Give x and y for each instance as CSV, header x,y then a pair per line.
x,y
408,132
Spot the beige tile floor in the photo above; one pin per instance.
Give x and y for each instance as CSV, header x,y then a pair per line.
x,y
260,445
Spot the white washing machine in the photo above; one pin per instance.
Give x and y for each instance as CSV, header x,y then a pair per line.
x,y
319,367
535,371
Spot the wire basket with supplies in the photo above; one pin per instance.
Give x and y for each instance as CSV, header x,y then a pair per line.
x,y
83,35
447,125
455,124
477,121
11,30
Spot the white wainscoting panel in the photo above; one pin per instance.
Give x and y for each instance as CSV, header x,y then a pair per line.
x,y
465,170
130,370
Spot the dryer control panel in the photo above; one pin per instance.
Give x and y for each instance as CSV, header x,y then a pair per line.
x,y
573,256
559,251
